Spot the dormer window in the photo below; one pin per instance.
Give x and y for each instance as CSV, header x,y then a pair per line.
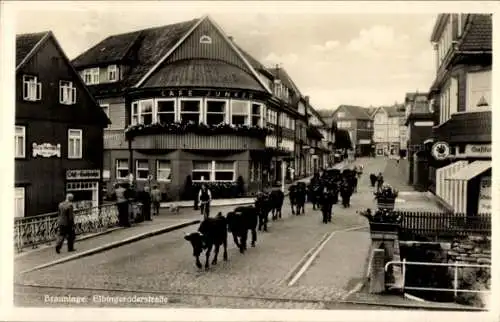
x,y
205,39
32,89
67,93
112,73
91,76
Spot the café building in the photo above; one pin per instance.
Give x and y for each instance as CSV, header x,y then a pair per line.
x,y
58,130
187,106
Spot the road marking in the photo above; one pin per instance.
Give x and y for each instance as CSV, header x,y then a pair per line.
x,y
317,249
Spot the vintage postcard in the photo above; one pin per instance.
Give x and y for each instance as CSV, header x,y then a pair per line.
x,y
267,155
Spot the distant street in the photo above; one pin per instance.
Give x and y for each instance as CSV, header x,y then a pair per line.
x,y
261,278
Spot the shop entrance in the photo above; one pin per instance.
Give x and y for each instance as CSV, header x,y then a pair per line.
x,y
86,193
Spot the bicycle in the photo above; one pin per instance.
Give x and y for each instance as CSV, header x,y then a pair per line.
x,y
205,208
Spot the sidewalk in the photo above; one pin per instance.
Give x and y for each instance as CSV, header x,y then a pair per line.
x,y
30,259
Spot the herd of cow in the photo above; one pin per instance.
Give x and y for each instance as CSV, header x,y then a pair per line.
x,y
322,192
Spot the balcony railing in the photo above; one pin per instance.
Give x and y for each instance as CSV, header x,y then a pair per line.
x,y
36,230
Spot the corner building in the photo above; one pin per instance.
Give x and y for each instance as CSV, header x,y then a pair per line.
x,y
187,104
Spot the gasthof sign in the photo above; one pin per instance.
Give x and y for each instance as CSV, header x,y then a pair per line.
x,y
478,150
78,174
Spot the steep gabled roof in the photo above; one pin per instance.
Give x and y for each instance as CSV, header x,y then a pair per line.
x,y
281,74
152,44
357,112
394,110
26,45
477,34
370,111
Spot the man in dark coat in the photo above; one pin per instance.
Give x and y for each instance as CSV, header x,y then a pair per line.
x,y
326,205
122,205
66,224
380,181
144,197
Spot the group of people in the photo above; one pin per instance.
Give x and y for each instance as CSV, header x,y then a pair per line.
x,y
377,180
324,190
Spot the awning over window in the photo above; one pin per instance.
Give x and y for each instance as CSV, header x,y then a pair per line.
x,y
472,170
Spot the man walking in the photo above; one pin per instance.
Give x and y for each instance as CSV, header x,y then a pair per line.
x,y
122,205
66,224
380,181
204,198
155,200
146,204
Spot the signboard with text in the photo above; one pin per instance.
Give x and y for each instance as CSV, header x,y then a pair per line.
x,y
478,150
85,174
484,204
46,150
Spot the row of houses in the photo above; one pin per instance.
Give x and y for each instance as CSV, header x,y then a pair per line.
x,y
166,105
450,127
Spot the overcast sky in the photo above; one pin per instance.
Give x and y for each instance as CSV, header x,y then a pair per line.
x,y
357,59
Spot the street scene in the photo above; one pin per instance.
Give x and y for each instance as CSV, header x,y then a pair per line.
x,y
205,161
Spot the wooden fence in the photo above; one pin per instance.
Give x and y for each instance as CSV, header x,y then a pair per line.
x,y
444,225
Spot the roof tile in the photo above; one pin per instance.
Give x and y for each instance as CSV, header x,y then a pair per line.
x,y
25,43
358,112
478,36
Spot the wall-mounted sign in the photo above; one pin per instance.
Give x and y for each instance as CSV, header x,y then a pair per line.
x,y
46,150
484,204
227,93
478,150
440,150
78,174
423,123
205,39
364,141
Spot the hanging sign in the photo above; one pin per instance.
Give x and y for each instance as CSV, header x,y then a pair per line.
x,y
46,150
440,150
478,150
75,174
484,204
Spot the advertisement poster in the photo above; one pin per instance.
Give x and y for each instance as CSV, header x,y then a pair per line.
x,y
484,205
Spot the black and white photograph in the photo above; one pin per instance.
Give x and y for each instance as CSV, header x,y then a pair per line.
x,y
257,155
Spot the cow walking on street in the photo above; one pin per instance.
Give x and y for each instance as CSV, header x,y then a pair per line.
x,y
263,207
211,232
277,199
373,179
297,198
239,222
346,192
327,205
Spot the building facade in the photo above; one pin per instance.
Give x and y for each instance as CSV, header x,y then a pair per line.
x,y
358,123
388,122
461,97
188,106
419,123
58,130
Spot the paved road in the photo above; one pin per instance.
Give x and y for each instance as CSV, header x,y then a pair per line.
x,y
163,265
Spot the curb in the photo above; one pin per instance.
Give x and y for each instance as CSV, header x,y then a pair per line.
x,y
415,306
112,245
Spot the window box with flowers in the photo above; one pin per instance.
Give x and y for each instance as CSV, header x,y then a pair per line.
x,y
196,128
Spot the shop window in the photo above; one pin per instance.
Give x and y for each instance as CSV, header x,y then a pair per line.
x,y
85,194
141,169
67,93
165,111
190,111
163,170
239,112
202,170
32,88
257,114
213,171
74,144
20,142
122,170
224,171
146,112
216,112
19,201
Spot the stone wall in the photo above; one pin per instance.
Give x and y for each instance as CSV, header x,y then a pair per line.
x,y
473,250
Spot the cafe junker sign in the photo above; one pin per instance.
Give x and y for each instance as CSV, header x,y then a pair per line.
x,y
78,174
46,150
206,93
478,150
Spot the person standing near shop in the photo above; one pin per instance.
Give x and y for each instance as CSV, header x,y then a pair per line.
x,y
146,204
204,198
155,200
122,205
66,224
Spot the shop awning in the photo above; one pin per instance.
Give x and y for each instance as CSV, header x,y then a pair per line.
x,y
472,170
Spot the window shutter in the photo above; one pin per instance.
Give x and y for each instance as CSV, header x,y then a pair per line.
x,y
73,96
38,91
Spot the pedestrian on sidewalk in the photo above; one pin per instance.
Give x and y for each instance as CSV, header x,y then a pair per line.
x,y
66,224
380,181
155,200
145,199
122,204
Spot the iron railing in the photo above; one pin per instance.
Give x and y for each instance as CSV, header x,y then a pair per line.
x,y
442,224
36,230
456,266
